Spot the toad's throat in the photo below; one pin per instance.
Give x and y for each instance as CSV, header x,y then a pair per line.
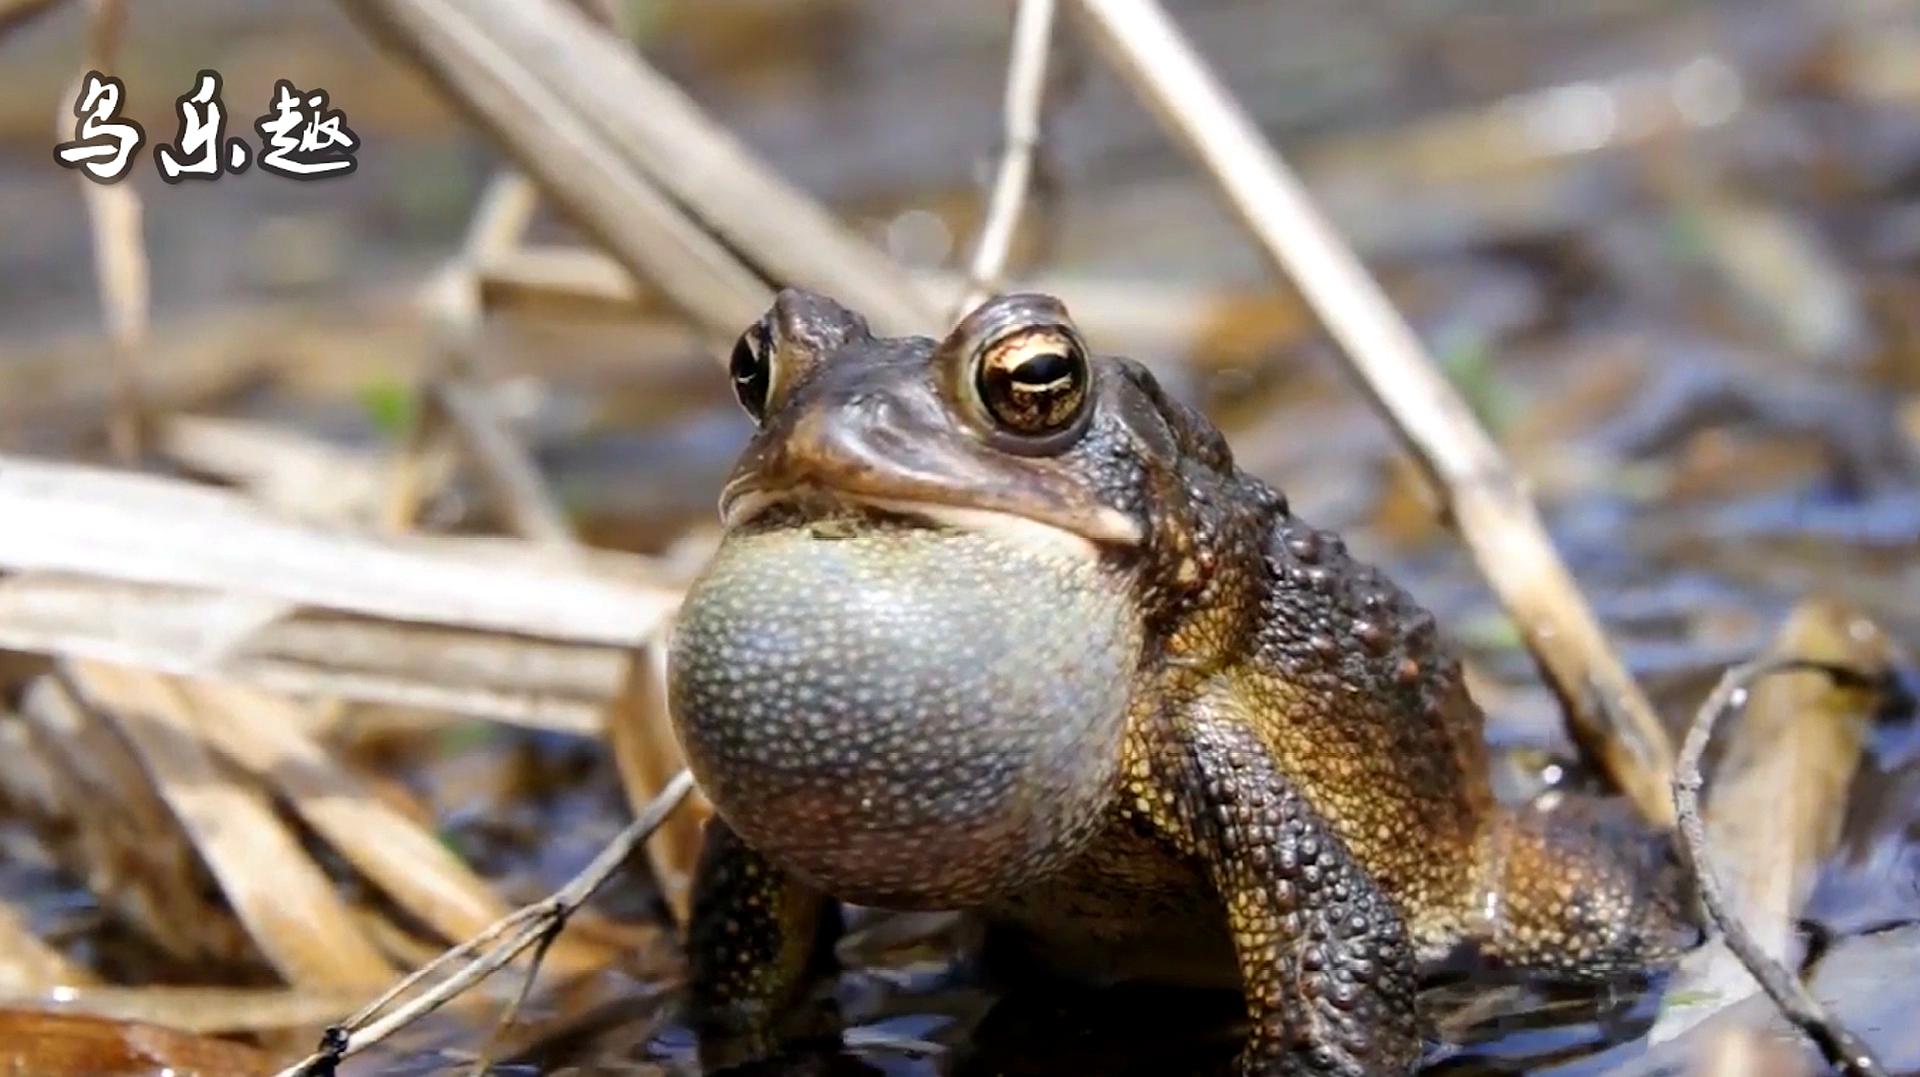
x,y
903,714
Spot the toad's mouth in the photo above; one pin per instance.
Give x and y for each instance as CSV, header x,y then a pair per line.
x,y
1070,531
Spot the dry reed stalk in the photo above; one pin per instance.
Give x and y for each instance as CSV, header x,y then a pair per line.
x,y
1610,717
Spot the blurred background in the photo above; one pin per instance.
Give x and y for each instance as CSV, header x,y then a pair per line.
x,y
1670,253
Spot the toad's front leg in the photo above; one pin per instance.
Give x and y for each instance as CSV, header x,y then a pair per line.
x,y
1324,959
758,942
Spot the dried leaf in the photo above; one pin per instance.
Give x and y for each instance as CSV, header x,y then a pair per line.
x,y
206,1010
1779,797
1866,982
74,778
262,733
28,964
145,529
288,905
40,1044
558,685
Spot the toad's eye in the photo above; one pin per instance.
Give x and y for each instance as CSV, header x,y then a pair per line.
x,y
1034,382
751,367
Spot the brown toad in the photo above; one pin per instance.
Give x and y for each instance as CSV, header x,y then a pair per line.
x,y
998,626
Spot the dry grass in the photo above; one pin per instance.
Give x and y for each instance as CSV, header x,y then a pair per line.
x,y
201,649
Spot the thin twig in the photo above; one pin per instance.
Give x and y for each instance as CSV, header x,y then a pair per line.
x,y
462,952
518,488
121,268
1611,719
459,395
505,86
1779,800
1026,88
501,220
505,465
452,396
673,195
484,1060
533,923
413,477
1844,1050
785,234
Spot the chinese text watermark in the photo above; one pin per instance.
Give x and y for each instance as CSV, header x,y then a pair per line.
x,y
301,137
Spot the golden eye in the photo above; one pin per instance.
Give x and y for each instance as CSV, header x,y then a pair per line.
x,y
1033,381
751,367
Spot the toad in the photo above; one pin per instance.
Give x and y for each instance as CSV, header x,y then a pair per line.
x,y
997,625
